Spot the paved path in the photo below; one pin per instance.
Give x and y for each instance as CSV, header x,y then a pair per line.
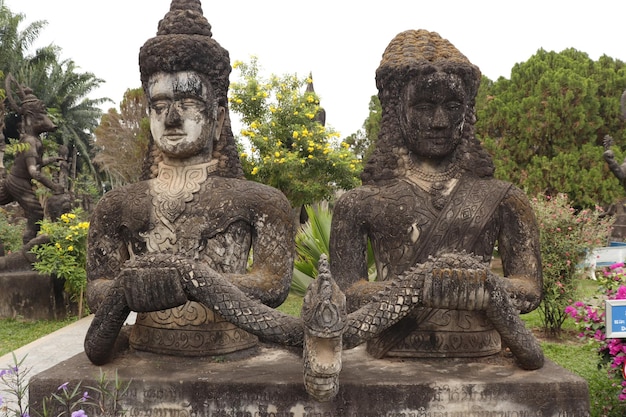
x,y
56,347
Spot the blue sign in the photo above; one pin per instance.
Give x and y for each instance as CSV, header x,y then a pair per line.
x,y
615,318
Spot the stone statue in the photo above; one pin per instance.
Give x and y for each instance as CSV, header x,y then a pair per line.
x,y
204,256
28,162
618,209
198,216
433,213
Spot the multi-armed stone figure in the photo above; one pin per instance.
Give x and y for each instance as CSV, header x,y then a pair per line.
x,y
204,255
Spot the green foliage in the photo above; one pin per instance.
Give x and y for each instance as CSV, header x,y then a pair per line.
x,y
11,231
66,253
545,125
363,141
566,235
313,240
289,148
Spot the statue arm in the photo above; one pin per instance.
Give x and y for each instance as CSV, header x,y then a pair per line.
x,y
519,248
35,173
273,249
106,253
348,250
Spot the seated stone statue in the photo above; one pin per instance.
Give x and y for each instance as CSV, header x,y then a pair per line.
x,y
198,216
433,213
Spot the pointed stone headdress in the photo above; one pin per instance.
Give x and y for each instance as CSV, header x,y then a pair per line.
x,y
184,43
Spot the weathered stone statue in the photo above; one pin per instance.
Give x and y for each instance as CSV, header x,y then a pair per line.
x,y
619,170
28,162
434,213
198,216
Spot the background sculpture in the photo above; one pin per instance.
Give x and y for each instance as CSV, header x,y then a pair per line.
x,y
16,186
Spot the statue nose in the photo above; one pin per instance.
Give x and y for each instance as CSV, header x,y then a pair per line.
x,y
173,115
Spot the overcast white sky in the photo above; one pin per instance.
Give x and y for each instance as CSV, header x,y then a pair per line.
x,y
339,41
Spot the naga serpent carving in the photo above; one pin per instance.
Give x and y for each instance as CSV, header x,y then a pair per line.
x,y
466,281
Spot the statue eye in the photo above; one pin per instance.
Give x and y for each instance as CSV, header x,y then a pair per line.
x,y
160,106
453,105
421,106
191,104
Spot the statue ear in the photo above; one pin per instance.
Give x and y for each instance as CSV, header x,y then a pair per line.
x,y
219,122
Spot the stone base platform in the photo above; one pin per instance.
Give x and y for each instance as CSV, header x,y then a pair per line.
x,y
30,295
268,383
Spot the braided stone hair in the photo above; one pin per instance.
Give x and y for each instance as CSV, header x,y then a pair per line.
x,y
411,54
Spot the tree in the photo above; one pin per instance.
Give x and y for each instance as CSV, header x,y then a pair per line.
x,y
364,140
59,84
545,125
287,146
122,139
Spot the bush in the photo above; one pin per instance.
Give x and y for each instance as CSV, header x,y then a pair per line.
x,y
566,236
65,255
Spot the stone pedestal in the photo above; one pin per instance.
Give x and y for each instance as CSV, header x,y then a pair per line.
x,y
32,296
269,384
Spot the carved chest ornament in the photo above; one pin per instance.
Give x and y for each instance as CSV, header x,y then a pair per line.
x,y
171,191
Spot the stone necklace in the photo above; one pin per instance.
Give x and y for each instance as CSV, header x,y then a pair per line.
x,y
434,183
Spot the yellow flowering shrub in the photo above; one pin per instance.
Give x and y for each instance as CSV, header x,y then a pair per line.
x,y
66,254
283,144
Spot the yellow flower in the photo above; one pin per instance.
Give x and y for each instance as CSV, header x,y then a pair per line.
x,y
255,170
237,64
302,161
70,248
279,143
273,109
310,156
254,125
309,80
83,225
310,149
310,99
244,155
295,135
238,101
309,115
276,154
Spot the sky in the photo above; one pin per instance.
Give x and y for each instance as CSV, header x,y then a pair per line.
x,y
339,41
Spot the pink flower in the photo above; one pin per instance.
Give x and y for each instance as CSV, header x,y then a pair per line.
x,y
617,265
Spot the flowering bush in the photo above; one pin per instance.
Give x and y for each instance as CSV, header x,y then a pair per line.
x,y
65,402
566,235
590,319
290,148
66,253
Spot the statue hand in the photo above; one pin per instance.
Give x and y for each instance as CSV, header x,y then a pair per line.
x,y
607,142
152,289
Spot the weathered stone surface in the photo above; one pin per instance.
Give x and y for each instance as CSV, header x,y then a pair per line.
x,y
32,296
270,384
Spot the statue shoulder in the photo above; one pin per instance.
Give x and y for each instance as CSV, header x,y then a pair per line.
x,y
253,194
121,200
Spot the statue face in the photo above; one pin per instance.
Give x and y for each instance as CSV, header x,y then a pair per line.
x,y
182,120
432,112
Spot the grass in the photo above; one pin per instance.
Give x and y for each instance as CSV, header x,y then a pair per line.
x,y
15,333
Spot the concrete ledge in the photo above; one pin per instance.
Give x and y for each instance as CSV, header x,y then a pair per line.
x,y
270,384
32,296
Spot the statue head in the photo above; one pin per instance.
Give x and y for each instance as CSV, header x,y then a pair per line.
x,y
184,73
33,115
427,90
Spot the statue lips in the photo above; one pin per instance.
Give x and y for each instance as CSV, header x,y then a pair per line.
x,y
174,136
